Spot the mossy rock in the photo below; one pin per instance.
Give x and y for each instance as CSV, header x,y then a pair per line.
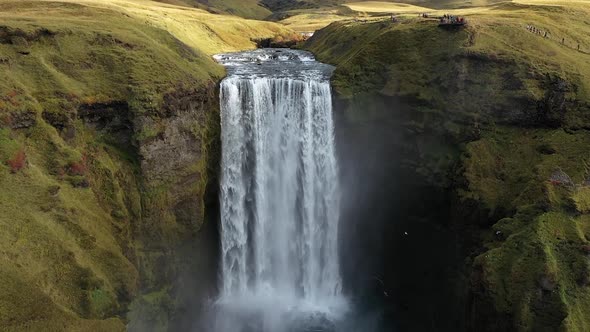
x,y
581,198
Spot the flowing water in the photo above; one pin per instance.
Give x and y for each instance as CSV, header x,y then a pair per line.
x,y
279,195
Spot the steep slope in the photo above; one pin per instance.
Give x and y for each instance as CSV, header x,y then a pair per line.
x,y
108,140
369,5
393,6
495,117
314,15
243,8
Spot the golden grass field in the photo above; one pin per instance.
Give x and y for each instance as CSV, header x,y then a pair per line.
x,y
385,7
197,28
312,21
315,19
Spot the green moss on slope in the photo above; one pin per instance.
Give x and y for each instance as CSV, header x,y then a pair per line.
x,y
535,269
498,116
93,95
63,242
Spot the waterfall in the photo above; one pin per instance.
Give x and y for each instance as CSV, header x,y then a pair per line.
x,y
279,189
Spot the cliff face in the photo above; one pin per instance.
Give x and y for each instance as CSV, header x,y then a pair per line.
x,y
109,129
475,219
179,169
96,213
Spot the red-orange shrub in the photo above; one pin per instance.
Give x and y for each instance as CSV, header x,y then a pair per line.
x,y
11,94
17,162
90,100
78,168
5,118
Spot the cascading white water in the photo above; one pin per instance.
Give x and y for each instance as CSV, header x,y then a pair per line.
x,y
279,193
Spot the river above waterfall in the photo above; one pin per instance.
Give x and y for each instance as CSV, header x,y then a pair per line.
x,y
279,196
275,63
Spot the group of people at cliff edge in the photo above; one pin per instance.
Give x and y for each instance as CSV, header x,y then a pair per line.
x,y
452,20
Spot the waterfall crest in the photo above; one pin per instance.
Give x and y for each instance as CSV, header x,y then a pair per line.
x,y
279,188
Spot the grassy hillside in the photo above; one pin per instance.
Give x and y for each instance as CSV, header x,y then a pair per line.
x,y
499,32
243,8
401,6
198,29
370,5
315,14
92,95
498,116
303,20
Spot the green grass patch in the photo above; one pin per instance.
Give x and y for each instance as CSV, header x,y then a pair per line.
x,y
69,223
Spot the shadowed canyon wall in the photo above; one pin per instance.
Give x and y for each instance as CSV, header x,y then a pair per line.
x,y
464,174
